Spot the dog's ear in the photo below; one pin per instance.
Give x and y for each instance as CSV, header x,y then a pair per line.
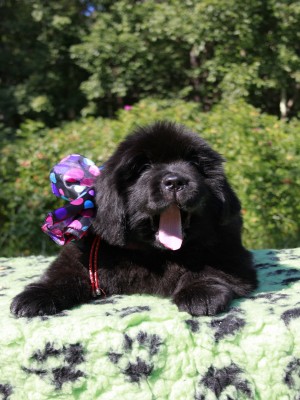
x,y
216,180
211,163
110,222
230,205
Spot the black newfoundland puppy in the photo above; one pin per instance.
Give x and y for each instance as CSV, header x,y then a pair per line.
x,y
169,224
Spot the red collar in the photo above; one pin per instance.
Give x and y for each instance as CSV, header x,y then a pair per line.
x,y
93,264
93,268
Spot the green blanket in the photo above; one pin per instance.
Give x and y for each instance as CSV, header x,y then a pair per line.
x,y
142,347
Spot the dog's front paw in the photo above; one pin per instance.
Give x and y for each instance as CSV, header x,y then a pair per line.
x,y
203,299
34,300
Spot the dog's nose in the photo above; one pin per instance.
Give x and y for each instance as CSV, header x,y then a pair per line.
x,y
173,182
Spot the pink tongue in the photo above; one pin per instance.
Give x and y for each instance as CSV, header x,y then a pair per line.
x,y
170,232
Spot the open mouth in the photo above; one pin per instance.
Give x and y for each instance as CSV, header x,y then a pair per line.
x,y
170,230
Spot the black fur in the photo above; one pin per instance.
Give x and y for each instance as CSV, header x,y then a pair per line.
x,y
209,270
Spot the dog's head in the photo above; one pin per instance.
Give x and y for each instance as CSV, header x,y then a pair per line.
x,y
160,186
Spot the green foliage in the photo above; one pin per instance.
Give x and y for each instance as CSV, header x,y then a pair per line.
x,y
263,164
202,51
38,77
61,60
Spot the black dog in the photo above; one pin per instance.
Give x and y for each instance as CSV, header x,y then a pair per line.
x,y
169,225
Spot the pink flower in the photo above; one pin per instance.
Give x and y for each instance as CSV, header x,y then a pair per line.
x,y
127,107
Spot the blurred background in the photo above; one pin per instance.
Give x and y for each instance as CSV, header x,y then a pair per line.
x,y
76,76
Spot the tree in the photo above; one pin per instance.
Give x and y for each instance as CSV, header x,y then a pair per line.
x,y
38,77
200,50
61,60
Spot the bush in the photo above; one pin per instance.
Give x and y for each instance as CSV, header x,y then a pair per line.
x,y
263,165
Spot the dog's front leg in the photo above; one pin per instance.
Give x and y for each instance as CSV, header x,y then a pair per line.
x,y
205,295
64,285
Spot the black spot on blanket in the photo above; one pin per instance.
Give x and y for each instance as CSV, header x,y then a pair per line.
x,y
6,270
142,337
266,265
193,325
138,370
127,342
74,354
292,370
42,260
114,357
5,391
104,301
289,255
27,278
132,310
273,297
3,289
287,281
290,314
287,271
144,340
219,379
228,325
48,351
36,371
65,374
153,342
288,275
70,355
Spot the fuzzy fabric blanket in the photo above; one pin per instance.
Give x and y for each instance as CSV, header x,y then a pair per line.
x,y
142,347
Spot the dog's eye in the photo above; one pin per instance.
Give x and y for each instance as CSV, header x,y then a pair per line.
x,y
143,168
140,165
194,163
